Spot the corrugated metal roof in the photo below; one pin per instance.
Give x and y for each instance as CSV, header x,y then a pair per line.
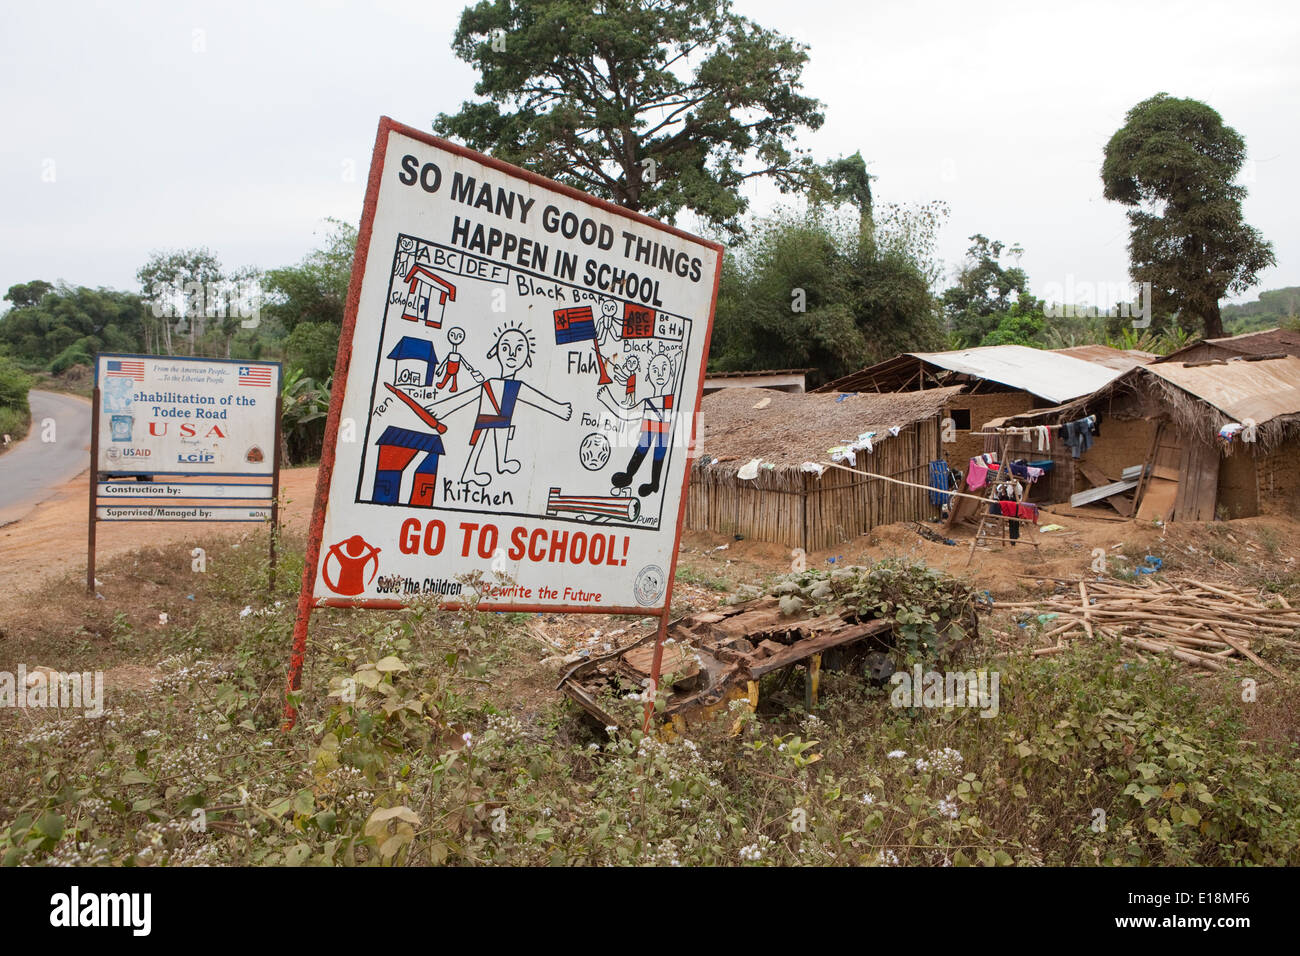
x,y
1260,391
1263,342
1120,359
1050,375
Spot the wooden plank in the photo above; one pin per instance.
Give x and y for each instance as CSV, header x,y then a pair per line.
x,y
1198,483
803,649
1068,512
1094,474
1158,500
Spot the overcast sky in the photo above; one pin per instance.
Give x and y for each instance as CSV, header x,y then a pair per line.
x,y
135,126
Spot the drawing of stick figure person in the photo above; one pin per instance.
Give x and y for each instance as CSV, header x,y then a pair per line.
x,y
497,400
607,325
352,556
656,416
625,375
451,364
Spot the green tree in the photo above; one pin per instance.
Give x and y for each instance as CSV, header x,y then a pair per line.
x,y
68,325
312,348
985,291
179,286
28,293
1023,324
656,106
815,289
1174,162
315,290
847,180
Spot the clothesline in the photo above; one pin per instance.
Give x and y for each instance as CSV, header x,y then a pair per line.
x,y
913,484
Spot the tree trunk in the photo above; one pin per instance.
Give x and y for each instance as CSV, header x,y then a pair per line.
x,y
1213,322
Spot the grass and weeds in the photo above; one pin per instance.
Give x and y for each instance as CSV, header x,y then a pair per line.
x,y
431,737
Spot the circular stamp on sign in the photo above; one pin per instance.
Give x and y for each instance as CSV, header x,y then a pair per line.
x,y
649,585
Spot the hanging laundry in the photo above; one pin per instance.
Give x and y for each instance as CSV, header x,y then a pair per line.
x,y
1228,432
841,453
1044,437
863,443
976,474
1008,510
940,482
1078,435
1027,511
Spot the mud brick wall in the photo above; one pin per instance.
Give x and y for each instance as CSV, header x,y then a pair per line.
x,y
1238,484
983,408
1278,478
1120,445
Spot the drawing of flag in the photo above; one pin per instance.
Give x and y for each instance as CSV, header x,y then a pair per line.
x,y
574,325
126,368
255,375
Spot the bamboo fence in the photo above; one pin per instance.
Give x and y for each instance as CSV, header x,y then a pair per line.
x,y
788,506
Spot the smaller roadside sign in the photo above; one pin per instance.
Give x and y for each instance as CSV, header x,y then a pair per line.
x,y
179,415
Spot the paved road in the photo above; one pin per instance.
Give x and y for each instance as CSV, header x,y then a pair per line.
x,y
35,469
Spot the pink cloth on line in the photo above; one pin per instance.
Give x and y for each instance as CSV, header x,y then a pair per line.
x,y
977,475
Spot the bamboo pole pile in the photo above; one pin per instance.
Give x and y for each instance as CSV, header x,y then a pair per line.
x,y
1203,625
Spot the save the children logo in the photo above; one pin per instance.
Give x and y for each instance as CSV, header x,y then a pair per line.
x,y
649,585
346,565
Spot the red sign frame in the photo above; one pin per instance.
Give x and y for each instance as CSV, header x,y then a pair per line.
x,y
343,363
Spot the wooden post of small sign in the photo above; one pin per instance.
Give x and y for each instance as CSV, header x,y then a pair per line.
x,y
94,489
275,488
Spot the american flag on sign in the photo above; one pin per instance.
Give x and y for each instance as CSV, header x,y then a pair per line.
x,y
125,368
255,375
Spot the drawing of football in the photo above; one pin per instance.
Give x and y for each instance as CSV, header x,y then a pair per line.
x,y
594,451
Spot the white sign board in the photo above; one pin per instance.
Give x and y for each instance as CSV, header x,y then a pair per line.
x,y
523,368
186,416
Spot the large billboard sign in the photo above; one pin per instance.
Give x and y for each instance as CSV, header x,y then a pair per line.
x,y
515,395
167,415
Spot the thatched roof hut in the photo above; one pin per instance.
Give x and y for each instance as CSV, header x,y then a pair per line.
x,y
789,505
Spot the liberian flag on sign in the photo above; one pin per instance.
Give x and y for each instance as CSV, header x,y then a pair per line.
x,y
125,368
255,375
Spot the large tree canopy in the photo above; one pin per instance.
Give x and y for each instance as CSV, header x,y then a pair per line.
x,y
657,105
1175,162
67,325
817,290
984,293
